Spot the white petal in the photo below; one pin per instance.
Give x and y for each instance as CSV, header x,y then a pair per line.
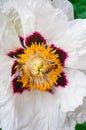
x,y
50,22
79,115
31,111
77,59
76,44
15,19
69,124
72,95
5,5
65,6
5,72
9,11
9,40
5,77
0,125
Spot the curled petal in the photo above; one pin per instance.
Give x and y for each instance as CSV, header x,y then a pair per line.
x,y
78,116
9,39
65,6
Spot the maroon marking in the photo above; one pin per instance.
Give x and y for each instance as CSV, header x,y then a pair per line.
x,y
17,86
22,41
35,37
62,81
50,91
62,54
13,70
15,53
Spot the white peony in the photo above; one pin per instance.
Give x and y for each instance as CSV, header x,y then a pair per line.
x,y
42,83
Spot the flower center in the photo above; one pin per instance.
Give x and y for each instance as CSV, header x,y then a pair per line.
x,y
36,66
39,67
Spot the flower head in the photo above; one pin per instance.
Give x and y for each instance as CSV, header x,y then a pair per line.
x,y
38,65
42,77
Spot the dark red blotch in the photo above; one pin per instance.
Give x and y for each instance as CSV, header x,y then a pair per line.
x,y
62,81
62,54
13,70
22,41
16,53
50,91
35,37
17,86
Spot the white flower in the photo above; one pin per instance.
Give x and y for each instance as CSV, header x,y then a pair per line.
x,y
42,83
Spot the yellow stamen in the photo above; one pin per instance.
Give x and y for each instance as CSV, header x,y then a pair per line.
x,y
40,67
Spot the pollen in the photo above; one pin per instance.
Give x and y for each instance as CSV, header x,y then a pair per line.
x,y
39,67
